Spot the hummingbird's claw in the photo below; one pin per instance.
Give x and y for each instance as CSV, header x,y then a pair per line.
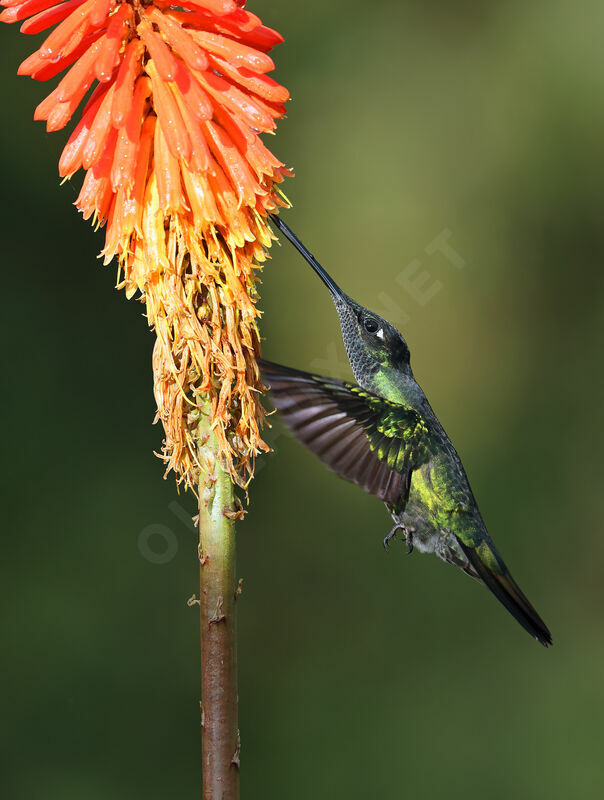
x,y
398,526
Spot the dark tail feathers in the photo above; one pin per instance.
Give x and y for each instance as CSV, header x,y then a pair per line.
x,y
508,593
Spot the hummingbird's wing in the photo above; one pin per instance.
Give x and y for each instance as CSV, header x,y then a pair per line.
x,y
362,437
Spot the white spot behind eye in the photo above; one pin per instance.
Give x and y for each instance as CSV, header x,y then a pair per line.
x,y
380,333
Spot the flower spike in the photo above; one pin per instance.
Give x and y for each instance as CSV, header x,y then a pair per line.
x,y
175,100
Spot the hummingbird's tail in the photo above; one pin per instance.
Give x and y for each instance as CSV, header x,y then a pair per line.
x,y
494,574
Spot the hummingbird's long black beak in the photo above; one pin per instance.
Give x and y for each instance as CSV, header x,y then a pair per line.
x,y
289,234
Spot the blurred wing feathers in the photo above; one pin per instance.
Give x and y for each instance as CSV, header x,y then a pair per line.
x,y
360,436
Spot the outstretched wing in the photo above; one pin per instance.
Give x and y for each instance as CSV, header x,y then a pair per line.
x,y
360,436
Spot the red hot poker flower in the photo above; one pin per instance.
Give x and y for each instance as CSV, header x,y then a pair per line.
x,y
169,140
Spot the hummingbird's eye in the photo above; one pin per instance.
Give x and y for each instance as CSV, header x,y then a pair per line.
x,y
370,325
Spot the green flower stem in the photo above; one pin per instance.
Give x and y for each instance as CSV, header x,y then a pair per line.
x,y
217,601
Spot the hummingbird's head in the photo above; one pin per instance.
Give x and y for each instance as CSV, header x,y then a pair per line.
x,y
373,345
376,350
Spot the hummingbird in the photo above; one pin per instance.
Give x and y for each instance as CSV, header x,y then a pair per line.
x,y
382,434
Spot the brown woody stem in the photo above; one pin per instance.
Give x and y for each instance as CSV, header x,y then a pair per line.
x,y
217,599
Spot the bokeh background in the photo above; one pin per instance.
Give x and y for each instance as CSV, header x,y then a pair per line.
x,y
362,674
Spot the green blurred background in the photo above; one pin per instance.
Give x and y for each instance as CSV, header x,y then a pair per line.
x,y
361,674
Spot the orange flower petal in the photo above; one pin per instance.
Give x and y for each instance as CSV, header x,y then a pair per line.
x,y
219,7
178,38
71,157
263,38
124,161
49,69
196,99
101,173
167,173
100,11
129,70
62,37
235,52
112,42
44,108
273,110
261,85
159,51
32,63
168,115
241,24
99,132
199,159
57,113
80,76
96,192
142,169
201,199
61,113
235,100
25,9
45,19
258,156
231,160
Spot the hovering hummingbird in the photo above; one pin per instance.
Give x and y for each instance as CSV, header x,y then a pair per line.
x,y
382,434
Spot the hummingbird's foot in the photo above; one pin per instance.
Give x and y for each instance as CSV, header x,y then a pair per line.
x,y
398,526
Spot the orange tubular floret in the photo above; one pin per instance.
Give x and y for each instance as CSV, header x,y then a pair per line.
x,y
241,24
224,193
242,20
100,11
71,157
80,76
141,171
129,70
44,108
159,51
64,33
168,115
258,156
274,110
31,64
25,9
153,237
89,194
178,38
61,113
112,42
235,100
124,160
237,53
230,159
46,19
262,85
116,233
167,173
219,7
56,112
200,158
99,132
263,38
101,196
196,99
202,200
51,68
